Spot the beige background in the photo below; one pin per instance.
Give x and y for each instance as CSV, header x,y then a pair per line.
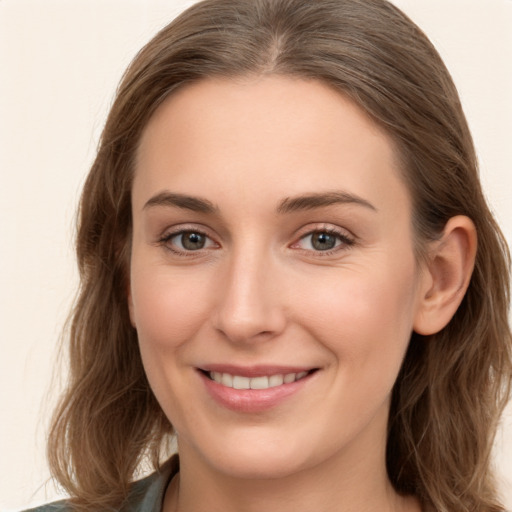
x,y
60,62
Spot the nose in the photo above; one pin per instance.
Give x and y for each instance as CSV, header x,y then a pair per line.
x,y
249,307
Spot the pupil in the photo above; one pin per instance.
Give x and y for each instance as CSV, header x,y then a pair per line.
x,y
323,241
193,241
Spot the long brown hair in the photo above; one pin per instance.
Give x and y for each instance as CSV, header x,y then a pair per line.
x,y
452,386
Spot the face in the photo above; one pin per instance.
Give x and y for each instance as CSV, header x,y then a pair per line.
x,y
273,281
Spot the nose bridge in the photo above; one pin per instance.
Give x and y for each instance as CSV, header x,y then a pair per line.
x,y
249,307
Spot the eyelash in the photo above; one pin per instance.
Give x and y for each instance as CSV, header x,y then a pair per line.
x,y
164,241
345,241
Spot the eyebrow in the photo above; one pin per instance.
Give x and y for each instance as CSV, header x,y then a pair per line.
x,y
288,205
311,201
195,204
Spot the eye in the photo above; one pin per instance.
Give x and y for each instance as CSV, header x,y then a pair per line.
x,y
187,241
324,241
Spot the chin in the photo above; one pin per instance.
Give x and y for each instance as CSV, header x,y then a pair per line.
x,y
259,458
260,466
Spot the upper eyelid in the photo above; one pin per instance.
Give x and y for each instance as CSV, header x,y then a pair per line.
x,y
311,228
171,231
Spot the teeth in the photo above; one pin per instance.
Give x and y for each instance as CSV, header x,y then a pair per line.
x,y
264,382
275,380
226,380
259,383
241,382
289,377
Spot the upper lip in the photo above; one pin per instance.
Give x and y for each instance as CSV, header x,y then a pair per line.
x,y
255,370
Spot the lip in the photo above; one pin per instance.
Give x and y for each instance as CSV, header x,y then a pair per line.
x,y
253,400
255,370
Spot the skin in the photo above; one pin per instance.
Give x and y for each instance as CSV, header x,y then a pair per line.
x,y
260,292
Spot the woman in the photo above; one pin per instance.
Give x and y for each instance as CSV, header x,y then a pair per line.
x,y
287,261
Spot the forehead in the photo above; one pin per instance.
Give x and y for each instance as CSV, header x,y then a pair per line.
x,y
264,135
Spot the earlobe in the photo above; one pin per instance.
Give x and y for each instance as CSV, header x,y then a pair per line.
x,y
446,275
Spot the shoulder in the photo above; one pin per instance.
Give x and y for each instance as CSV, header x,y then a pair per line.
x,y
145,495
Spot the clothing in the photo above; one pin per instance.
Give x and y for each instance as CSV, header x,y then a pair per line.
x,y
146,495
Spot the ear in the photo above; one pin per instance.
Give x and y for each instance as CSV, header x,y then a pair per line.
x,y
446,275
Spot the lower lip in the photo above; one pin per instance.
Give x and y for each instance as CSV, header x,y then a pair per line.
x,y
253,400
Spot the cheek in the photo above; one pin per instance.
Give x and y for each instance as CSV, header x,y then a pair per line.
x,y
167,308
364,316
169,311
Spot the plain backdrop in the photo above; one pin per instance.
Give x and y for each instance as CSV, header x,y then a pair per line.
x,y
60,62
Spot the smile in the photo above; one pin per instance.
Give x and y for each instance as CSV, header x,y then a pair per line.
x,y
254,389
261,382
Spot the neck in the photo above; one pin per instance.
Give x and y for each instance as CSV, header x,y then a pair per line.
x,y
341,484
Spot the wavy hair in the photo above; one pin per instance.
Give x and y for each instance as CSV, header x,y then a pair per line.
x,y
452,386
